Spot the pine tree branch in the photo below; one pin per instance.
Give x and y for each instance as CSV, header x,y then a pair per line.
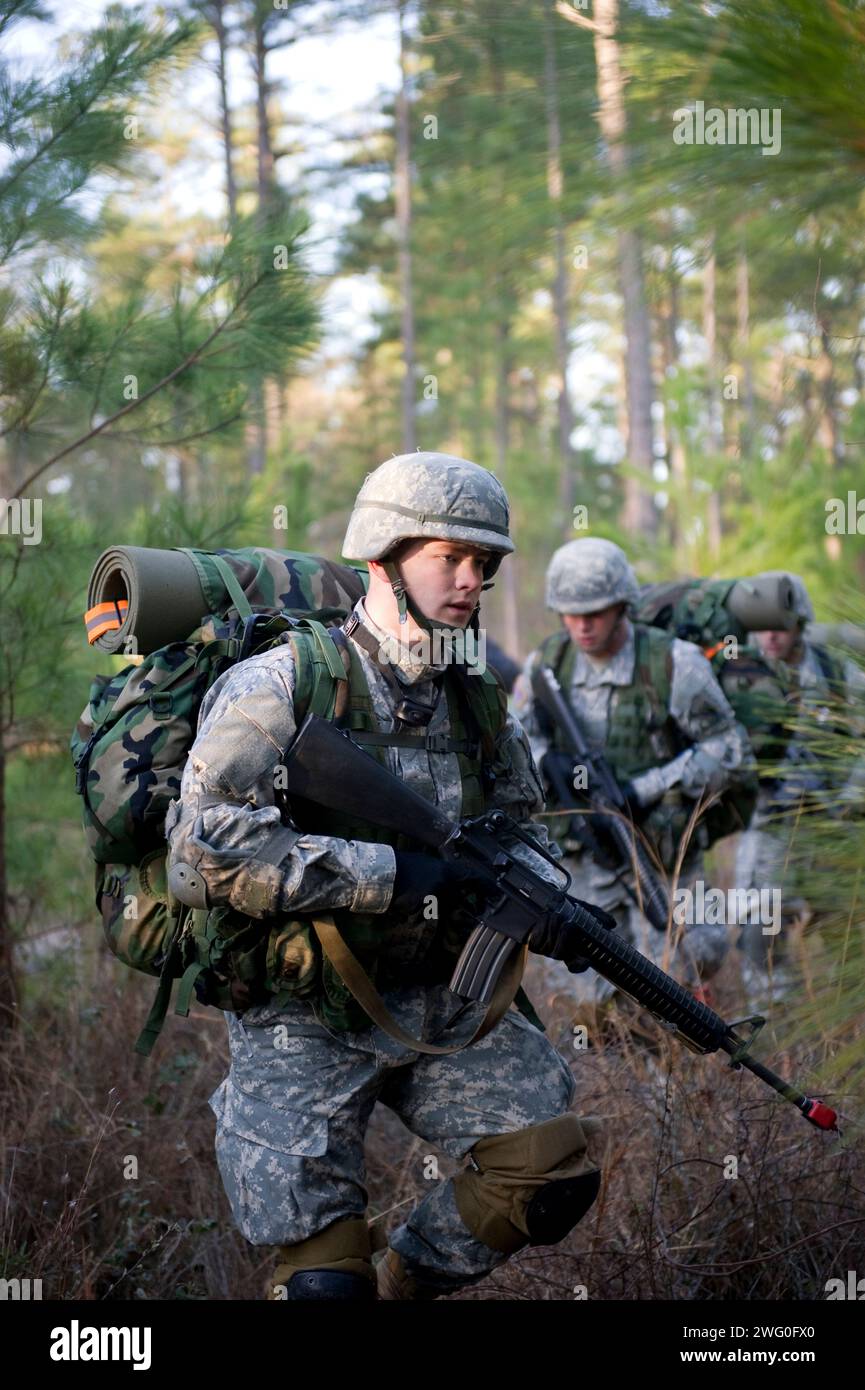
x,y
177,371
31,404
128,436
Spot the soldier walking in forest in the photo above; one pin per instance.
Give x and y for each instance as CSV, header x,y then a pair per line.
x,y
649,704
815,705
305,1075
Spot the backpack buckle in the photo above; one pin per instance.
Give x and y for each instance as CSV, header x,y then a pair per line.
x,y
437,743
161,704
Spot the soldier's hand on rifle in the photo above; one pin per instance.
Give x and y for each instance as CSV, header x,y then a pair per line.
x,y
640,794
555,935
557,769
422,876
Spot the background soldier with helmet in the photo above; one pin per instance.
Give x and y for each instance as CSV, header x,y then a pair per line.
x,y
292,1113
651,704
819,702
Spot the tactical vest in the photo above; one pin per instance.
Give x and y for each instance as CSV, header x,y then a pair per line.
x,y
477,712
641,732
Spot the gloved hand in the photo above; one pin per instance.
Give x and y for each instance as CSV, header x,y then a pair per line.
x,y
641,794
554,936
421,876
556,767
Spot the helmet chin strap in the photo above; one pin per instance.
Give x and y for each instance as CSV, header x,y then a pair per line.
x,y
405,604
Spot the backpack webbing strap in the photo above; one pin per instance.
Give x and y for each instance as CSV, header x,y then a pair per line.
x,y
232,584
356,980
159,1008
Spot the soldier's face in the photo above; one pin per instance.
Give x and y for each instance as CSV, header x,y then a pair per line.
x,y
595,633
777,644
444,578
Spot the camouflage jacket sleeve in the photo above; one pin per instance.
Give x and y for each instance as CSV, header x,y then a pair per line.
x,y
719,754
225,823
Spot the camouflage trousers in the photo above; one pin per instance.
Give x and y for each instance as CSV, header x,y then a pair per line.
x,y
293,1112
762,864
691,952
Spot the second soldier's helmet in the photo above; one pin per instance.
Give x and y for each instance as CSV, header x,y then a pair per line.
x,y
433,497
586,575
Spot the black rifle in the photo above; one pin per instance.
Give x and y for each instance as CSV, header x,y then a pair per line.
x,y
323,768
603,792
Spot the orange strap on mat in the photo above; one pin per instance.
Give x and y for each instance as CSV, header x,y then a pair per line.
x,y
105,617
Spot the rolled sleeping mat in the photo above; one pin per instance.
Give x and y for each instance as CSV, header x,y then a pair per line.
x,y
153,596
161,596
763,602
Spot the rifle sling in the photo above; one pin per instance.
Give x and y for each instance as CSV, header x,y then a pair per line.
x,y
355,978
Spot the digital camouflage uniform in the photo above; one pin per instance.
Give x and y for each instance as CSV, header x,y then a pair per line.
x,y
816,692
292,1113
702,749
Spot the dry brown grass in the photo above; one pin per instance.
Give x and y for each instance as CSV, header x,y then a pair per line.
x,y
77,1103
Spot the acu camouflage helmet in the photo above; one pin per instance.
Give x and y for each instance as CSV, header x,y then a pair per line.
x,y
428,496
587,575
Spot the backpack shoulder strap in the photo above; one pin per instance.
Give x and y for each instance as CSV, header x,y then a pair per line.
x,y
320,674
653,666
830,669
488,705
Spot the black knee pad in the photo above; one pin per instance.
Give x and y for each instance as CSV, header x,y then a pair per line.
x,y
331,1285
555,1209
529,1187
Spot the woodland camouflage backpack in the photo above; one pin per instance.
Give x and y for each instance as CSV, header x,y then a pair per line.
x,y
695,610
130,747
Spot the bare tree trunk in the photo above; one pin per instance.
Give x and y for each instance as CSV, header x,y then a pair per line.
x,y
676,453
560,279
508,572
256,429
828,431
502,299
713,396
217,19
262,121
403,224
640,515
748,421
8,983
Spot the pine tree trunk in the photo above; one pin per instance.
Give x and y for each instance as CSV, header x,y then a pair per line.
x,y
218,22
676,453
508,571
715,425
8,983
502,299
256,431
639,514
560,279
747,418
403,223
